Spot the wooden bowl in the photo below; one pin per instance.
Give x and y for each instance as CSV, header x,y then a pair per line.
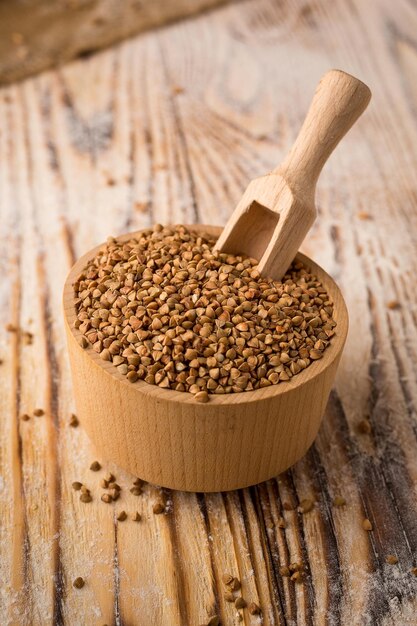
x,y
167,438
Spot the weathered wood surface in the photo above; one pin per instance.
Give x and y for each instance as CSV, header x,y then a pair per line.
x,y
39,34
248,73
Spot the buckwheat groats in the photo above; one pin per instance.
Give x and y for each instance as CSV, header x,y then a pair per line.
x,y
165,308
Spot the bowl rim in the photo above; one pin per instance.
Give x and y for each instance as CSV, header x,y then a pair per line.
x,y
313,371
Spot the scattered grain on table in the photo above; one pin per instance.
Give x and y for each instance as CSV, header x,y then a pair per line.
x,y
254,609
240,602
365,427
73,421
85,495
296,576
234,584
115,494
391,559
227,579
364,215
366,524
79,582
295,567
158,508
28,337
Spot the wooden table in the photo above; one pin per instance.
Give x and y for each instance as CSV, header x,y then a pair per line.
x,y
169,127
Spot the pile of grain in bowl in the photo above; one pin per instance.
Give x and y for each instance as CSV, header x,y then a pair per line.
x,y
165,308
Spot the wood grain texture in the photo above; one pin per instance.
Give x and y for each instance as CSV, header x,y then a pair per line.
x,y
248,72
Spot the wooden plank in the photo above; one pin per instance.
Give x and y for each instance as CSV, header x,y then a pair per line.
x,y
112,143
37,35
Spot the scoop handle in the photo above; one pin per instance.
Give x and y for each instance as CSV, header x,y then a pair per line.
x,y
337,103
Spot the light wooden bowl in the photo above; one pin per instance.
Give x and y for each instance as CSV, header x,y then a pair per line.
x,y
167,438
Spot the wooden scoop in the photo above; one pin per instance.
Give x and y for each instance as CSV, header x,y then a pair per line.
x,y
277,210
